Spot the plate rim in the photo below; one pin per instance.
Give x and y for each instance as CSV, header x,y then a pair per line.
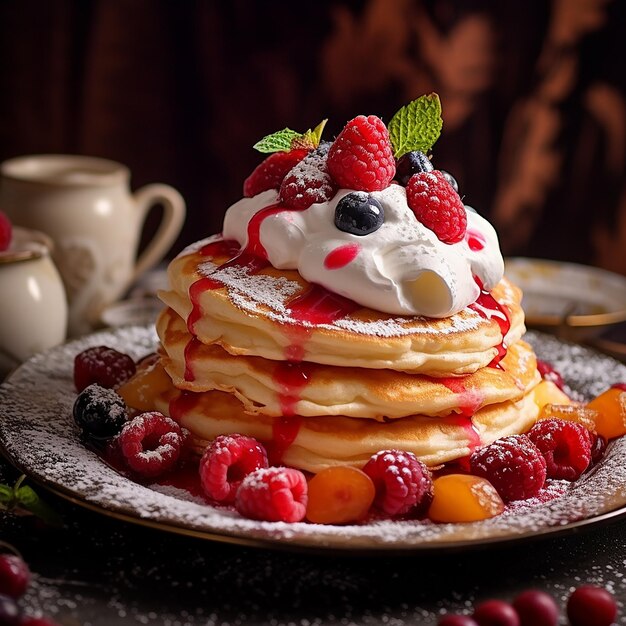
x,y
579,321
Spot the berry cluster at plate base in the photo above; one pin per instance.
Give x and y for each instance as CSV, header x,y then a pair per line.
x,y
586,606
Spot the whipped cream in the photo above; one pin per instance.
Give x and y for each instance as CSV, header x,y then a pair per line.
x,y
402,268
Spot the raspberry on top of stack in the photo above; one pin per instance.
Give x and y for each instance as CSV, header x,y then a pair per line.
x,y
352,323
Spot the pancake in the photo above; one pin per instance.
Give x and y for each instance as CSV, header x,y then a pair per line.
x,y
265,386
314,443
250,308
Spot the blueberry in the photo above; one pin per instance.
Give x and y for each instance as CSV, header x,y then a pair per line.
x,y
412,163
451,180
358,213
100,413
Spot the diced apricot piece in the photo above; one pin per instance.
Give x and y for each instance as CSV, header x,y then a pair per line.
x,y
578,413
611,406
464,498
150,381
338,495
546,392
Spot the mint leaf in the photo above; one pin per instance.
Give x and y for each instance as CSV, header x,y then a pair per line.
x,y
416,126
6,494
26,496
30,501
277,142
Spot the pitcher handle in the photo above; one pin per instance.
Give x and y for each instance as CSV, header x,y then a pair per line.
x,y
169,228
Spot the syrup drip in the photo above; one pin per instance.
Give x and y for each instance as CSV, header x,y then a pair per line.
x,y
291,378
317,305
475,240
223,247
191,348
341,256
285,429
468,426
489,308
187,478
181,405
252,259
470,400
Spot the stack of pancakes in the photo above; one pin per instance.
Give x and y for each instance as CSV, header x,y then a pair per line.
x,y
320,380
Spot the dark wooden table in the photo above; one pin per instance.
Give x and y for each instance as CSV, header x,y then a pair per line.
x,y
97,571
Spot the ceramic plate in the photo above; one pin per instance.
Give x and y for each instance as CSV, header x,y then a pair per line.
x,y
37,434
577,296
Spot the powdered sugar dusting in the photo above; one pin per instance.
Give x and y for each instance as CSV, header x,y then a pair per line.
x,y
256,292
37,432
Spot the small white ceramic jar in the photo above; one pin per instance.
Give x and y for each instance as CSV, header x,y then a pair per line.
x,y
33,305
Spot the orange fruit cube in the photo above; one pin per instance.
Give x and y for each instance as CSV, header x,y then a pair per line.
x,y
578,413
611,407
546,392
150,380
339,495
464,498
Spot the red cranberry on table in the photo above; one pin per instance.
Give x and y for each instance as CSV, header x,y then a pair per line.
x,y
14,575
536,608
495,613
591,606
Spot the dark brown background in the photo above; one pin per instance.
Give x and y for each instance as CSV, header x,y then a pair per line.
x,y
534,97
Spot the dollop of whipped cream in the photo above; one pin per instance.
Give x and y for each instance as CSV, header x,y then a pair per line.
x,y
402,268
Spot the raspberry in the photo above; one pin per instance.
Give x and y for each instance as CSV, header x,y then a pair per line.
x,y
6,232
513,465
14,575
274,494
270,173
566,447
437,205
151,443
361,157
403,483
620,386
226,462
105,366
549,373
308,181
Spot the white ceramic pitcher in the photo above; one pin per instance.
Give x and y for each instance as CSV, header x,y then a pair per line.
x,y
86,206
